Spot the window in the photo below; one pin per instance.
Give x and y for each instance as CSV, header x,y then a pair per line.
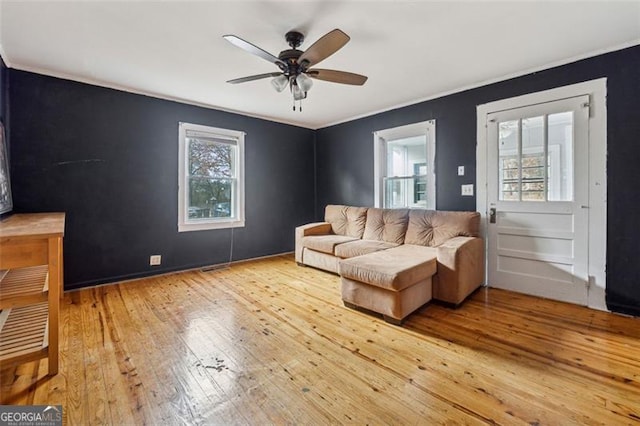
x,y
404,166
536,158
210,178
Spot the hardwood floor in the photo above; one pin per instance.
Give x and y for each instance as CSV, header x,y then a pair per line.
x,y
268,342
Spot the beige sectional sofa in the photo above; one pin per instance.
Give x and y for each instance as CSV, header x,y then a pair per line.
x,y
392,261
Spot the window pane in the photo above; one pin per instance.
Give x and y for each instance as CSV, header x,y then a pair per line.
x,y
211,159
560,187
404,154
395,193
406,183
420,191
405,193
509,161
533,159
210,197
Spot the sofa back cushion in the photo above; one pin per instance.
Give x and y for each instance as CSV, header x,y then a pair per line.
x,y
387,225
346,220
433,227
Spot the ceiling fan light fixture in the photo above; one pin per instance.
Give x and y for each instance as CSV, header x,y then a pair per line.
x,y
280,82
304,82
298,94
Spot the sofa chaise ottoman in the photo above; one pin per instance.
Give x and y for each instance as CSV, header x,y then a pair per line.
x,y
392,282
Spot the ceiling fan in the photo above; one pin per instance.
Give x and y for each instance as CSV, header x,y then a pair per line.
x,y
295,65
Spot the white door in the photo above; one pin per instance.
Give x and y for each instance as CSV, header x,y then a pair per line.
x,y
537,196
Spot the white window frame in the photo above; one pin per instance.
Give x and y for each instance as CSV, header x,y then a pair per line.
x,y
238,219
380,139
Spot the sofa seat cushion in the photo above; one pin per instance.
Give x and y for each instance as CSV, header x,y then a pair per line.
x,y
360,247
325,243
393,269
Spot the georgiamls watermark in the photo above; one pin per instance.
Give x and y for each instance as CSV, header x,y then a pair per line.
x,y
30,415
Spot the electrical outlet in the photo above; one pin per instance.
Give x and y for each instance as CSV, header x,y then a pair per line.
x,y
460,170
467,190
155,260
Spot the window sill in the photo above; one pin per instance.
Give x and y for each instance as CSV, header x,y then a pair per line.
x,y
205,226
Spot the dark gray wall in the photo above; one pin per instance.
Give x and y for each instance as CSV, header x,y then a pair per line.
x,y
344,155
109,160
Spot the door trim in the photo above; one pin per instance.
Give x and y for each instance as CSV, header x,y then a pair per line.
x,y
597,240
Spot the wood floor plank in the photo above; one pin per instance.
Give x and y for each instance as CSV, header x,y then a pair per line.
x,y
115,364
92,337
269,342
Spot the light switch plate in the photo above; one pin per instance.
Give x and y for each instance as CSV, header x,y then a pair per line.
x,y
467,190
460,170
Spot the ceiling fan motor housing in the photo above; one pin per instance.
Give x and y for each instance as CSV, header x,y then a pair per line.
x,y
290,56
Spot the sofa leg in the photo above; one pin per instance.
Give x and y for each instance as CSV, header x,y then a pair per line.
x,y
300,264
392,320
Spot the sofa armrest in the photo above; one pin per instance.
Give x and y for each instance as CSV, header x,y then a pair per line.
x,y
460,269
316,228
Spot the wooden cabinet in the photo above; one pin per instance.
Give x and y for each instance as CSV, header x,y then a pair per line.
x,y
30,287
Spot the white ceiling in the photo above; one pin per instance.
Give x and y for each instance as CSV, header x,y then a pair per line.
x,y
410,50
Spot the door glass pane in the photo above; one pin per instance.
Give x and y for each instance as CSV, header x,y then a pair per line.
x,y
509,161
560,186
533,159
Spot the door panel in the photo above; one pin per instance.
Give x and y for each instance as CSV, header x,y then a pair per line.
x,y
538,241
534,244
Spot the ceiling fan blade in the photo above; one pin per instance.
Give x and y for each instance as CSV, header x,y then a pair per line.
x,y
326,46
254,77
253,49
337,76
